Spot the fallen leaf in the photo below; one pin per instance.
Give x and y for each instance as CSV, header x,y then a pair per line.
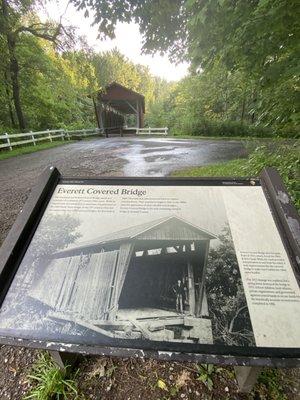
x,y
162,385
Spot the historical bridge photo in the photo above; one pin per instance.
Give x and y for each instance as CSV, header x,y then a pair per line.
x,y
147,281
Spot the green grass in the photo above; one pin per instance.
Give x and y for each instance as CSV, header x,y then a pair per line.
x,y
49,382
269,383
242,138
31,149
193,137
229,168
285,158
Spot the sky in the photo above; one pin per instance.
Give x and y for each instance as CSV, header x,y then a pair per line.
x,y
128,40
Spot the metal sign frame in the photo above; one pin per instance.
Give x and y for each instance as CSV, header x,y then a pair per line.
x,y
19,238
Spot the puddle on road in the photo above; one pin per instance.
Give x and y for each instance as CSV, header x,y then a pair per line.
x,y
159,149
158,158
144,158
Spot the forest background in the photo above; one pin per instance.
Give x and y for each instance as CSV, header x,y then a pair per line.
x,y
243,78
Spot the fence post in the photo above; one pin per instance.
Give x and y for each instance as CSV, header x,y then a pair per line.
x,y
8,141
149,130
49,136
62,135
33,138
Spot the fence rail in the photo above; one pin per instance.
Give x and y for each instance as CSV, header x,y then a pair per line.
x,y
34,137
8,141
152,131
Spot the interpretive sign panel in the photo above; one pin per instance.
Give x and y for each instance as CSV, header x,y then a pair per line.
x,y
188,266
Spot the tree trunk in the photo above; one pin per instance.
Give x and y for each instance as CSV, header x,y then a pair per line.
x,y
8,94
14,67
243,108
254,100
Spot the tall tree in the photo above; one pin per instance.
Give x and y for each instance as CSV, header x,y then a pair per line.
x,y
258,38
15,21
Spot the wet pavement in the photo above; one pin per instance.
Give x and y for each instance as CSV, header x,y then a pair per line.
x,y
159,157
127,156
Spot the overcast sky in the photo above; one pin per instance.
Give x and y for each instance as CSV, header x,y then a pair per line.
x,y
128,40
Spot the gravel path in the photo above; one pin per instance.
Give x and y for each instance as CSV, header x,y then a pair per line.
x,y
115,156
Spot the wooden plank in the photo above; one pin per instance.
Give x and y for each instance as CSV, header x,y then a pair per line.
x,y
191,289
21,142
13,144
202,284
3,146
125,253
28,134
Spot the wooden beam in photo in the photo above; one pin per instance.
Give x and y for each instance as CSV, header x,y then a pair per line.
x,y
202,284
125,253
191,288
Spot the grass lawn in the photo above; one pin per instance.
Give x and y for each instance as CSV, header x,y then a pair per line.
x,y
229,168
31,149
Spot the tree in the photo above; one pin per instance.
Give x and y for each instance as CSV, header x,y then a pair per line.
x,y
226,299
259,39
48,239
162,23
13,25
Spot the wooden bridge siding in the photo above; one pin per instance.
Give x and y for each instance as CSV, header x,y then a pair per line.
x,y
202,249
124,258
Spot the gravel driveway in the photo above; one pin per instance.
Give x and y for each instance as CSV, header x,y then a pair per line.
x,y
114,156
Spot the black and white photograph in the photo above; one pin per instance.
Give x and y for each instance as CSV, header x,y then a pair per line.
x,y
168,279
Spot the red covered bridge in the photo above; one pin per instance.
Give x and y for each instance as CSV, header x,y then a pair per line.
x,y
116,105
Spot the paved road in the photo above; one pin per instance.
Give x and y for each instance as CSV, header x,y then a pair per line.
x,y
129,156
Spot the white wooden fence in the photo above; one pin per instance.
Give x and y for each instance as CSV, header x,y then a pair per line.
x,y
11,140
152,131
8,141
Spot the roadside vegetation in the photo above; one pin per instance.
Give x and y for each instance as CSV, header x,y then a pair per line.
x,y
18,151
119,379
285,158
234,87
49,382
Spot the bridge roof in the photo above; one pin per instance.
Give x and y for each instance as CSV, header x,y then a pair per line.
x,y
121,98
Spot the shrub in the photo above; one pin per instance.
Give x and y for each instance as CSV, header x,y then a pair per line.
x,y
286,159
227,128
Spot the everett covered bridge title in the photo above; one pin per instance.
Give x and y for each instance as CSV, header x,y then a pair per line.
x,y
98,191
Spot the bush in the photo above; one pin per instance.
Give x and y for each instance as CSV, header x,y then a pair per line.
x,y
286,159
206,127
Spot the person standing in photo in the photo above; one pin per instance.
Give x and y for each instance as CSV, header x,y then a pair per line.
x,y
180,293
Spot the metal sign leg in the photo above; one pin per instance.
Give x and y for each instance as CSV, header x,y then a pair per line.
x,y
246,377
62,359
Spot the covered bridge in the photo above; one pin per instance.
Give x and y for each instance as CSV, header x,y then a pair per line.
x,y
124,284
115,104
